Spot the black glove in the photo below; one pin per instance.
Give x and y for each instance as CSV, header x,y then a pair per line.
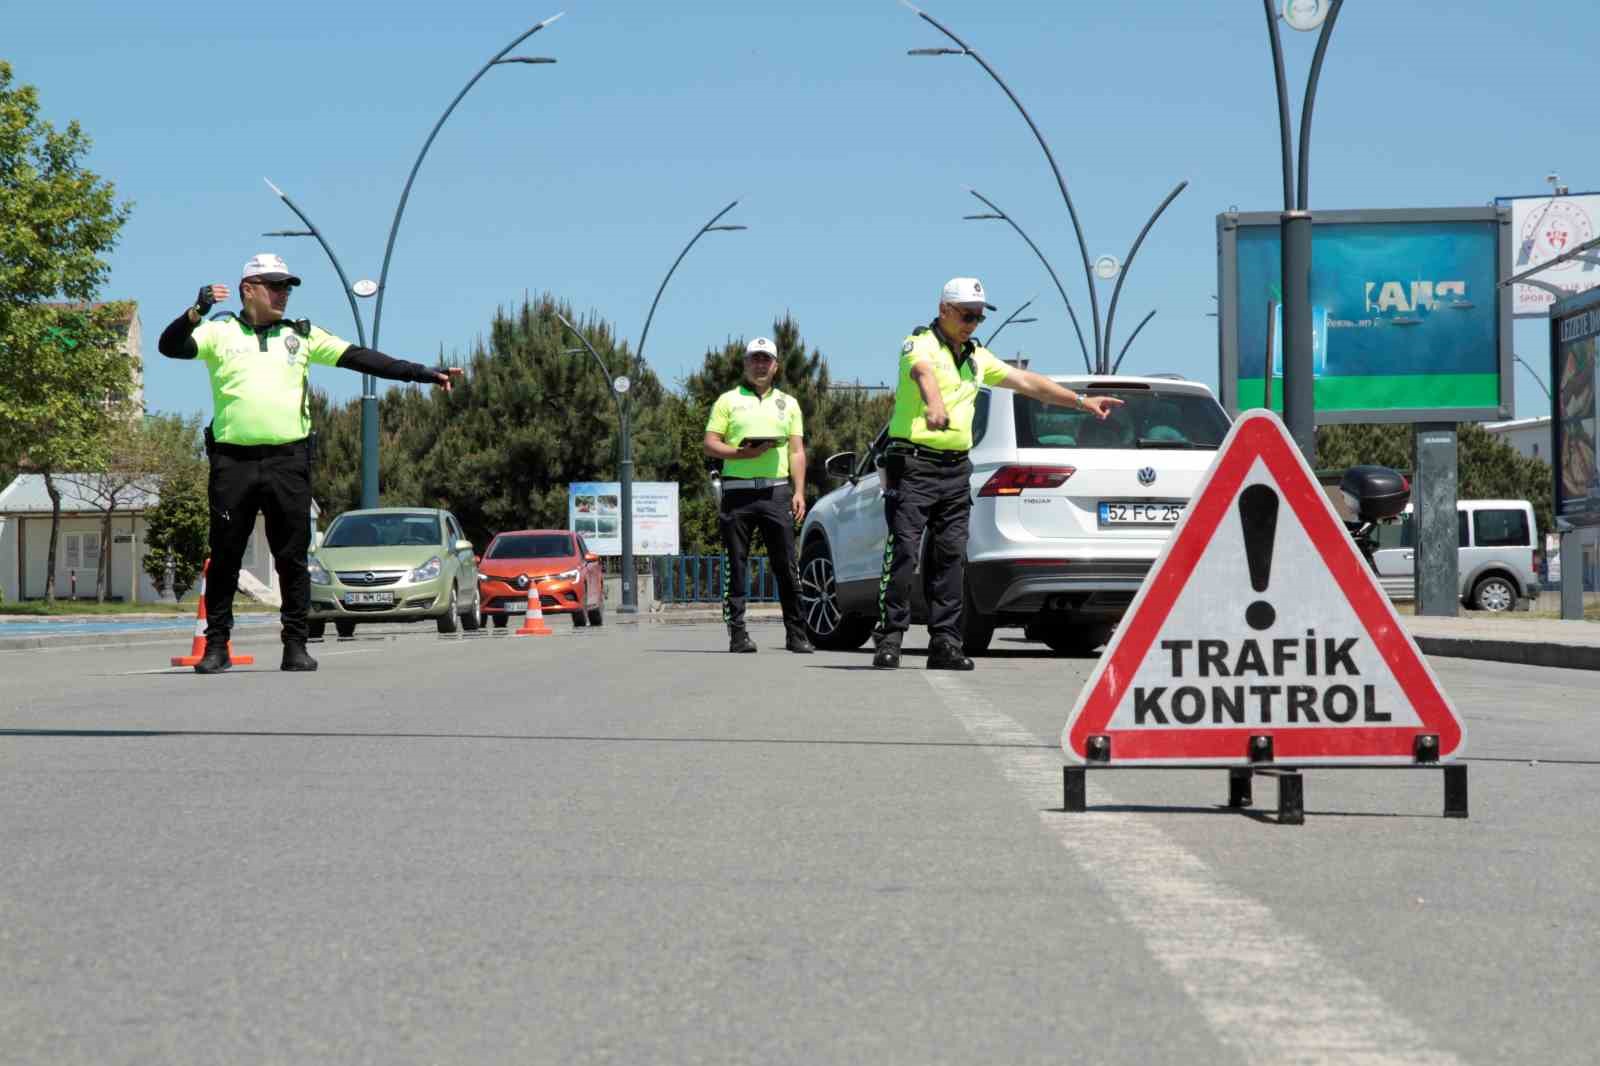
x,y
205,301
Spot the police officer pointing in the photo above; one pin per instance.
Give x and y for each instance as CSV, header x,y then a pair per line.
x,y
756,431
927,476
258,439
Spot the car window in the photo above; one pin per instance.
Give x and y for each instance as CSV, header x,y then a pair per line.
x,y
454,528
531,546
869,462
1149,418
383,531
1461,529
1395,534
1500,528
980,417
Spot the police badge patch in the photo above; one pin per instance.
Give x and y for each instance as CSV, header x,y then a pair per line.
x,y
292,344
906,348
780,404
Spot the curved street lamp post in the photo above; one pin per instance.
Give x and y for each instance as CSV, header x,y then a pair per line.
x,y
1299,393
369,384
1102,334
630,580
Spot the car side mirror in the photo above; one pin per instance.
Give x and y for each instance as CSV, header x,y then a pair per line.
x,y
591,557
1374,493
462,546
841,466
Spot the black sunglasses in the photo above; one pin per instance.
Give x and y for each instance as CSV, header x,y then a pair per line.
x,y
275,286
969,317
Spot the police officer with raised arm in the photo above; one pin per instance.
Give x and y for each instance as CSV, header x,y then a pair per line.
x,y
756,431
926,474
259,437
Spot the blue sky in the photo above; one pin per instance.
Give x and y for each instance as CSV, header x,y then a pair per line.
x,y
849,158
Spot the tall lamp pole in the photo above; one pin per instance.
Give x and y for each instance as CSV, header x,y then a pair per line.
x,y
995,212
1102,339
1299,387
369,384
630,580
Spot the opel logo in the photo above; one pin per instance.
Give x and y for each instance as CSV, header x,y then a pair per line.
x,y
1147,475
370,577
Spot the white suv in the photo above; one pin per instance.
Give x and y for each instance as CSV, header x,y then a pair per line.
x,y
1068,515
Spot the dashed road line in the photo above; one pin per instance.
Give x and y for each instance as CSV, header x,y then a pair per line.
x,y
1265,990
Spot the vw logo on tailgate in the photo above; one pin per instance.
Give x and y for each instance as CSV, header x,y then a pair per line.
x,y
1147,475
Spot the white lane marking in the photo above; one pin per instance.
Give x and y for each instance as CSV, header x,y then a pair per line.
x,y
1265,990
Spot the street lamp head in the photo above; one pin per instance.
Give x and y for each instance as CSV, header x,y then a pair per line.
x,y
1306,15
365,287
936,52
525,59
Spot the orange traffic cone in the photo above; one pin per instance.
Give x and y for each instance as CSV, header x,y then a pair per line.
x,y
533,622
197,649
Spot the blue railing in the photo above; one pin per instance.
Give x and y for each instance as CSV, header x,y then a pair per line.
x,y
698,579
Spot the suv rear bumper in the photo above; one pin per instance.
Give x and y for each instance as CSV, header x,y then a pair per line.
x,y
1100,589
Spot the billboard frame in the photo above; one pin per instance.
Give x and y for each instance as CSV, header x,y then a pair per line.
x,y
1560,311
1228,225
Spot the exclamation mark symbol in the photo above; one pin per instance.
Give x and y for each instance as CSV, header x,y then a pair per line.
x,y
1258,513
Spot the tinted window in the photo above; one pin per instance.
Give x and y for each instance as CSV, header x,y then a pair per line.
x,y
531,546
383,530
1149,418
1461,529
1501,529
980,417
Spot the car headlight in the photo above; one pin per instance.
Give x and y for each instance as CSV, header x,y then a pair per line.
x,y
565,575
428,570
319,576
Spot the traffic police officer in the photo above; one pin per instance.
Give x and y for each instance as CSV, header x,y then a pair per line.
x,y
927,476
756,431
259,438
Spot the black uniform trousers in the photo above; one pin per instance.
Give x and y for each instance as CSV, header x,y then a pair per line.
x,y
246,480
924,498
743,512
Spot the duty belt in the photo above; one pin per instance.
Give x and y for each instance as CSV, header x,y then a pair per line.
x,y
753,483
897,446
258,451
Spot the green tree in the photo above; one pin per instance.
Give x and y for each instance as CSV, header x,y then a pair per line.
x,y
1486,466
61,366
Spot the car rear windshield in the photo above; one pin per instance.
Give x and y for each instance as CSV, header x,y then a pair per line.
x,y
383,531
531,546
1149,418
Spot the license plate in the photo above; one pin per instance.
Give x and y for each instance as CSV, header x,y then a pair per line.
x,y
515,606
1127,513
368,597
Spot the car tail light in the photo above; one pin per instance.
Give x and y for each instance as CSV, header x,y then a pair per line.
x,y
1011,480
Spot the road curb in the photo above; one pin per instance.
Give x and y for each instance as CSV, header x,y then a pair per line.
x,y
1521,652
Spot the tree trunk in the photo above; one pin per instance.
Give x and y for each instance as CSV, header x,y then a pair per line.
x,y
102,576
55,537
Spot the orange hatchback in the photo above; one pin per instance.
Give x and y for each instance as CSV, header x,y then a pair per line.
x,y
553,564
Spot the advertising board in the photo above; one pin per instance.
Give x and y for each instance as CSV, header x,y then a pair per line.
x,y
1542,228
594,510
1574,332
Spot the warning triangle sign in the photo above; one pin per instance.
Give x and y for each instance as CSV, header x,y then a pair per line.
x,y
1260,618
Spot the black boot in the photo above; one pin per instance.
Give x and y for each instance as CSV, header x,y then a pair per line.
x,y
888,656
295,658
798,644
215,660
948,655
739,641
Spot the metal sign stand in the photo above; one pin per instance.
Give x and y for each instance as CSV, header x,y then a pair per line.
x,y
1291,786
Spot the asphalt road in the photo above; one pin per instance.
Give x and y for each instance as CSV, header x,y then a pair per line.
x,y
627,846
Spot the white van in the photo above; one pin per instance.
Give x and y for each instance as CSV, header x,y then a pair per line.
x,y
1496,539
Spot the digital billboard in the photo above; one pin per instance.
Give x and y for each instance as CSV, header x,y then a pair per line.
x,y
1408,322
1574,330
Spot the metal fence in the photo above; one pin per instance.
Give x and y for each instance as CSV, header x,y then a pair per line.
x,y
698,579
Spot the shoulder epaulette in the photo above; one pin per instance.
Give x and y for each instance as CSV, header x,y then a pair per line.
x,y
919,331
301,326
